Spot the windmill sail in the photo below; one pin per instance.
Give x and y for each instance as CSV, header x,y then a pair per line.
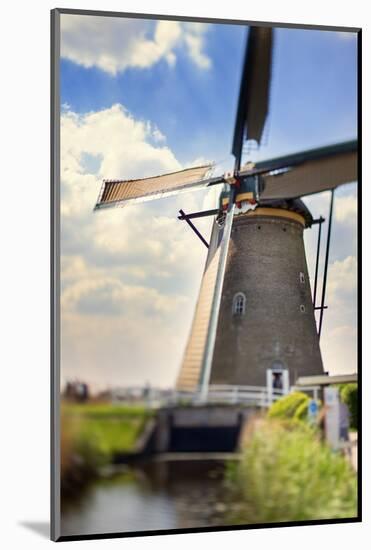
x,y
190,372
119,192
253,100
195,370
310,172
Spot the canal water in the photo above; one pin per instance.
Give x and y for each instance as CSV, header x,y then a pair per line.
x,y
152,496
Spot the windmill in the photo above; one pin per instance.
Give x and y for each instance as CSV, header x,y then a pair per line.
x,y
255,316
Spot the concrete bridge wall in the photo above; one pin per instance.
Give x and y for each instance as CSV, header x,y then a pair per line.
x,y
201,429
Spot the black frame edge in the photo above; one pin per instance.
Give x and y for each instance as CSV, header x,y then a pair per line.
x,y
54,276
195,19
359,270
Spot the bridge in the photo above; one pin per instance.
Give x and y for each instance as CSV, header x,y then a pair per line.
x,y
196,425
189,425
255,396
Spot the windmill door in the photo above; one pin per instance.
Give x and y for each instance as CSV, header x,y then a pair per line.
x,y
277,381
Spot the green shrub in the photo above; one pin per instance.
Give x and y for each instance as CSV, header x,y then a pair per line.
x,y
349,396
287,406
288,474
301,412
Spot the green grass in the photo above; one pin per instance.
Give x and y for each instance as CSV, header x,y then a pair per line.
x,y
108,435
93,433
288,474
105,410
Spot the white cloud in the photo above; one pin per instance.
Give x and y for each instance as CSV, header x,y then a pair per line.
x,y
344,224
120,352
125,271
115,44
340,350
342,278
346,209
339,330
339,336
121,143
107,295
158,136
194,41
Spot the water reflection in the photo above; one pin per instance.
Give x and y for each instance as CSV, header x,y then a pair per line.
x,y
167,495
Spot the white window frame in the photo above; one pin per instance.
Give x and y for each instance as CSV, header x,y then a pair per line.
x,y
285,380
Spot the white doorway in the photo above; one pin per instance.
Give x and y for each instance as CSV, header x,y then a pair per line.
x,y
278,382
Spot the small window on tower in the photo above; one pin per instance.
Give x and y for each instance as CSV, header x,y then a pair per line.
x,y
239,301
302,279
302,308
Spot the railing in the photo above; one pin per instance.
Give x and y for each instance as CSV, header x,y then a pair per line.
x,y
313,390
225,394
259,396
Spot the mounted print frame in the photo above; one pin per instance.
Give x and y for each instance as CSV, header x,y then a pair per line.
x,y
206,230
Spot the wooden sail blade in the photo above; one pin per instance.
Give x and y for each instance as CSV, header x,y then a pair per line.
x,y
312,174
195,370
120,192
189,375
253,100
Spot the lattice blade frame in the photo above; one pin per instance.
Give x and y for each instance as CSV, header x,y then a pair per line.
x,y
115,193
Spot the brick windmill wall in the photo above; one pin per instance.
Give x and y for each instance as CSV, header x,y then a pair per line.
x,y
267,274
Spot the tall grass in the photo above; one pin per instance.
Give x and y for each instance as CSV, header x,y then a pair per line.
x,y
288,474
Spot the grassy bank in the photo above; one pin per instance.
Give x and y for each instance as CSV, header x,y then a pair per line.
x,y
91,434
288,474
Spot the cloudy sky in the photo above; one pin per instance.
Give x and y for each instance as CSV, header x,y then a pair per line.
x,y
140,97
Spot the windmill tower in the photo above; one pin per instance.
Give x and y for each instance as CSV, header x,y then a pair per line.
x,y
254,321
266,323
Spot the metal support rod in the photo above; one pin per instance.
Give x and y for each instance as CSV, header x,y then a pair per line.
x,y
198,214
320,221
326,263
319,307
185,217
215,306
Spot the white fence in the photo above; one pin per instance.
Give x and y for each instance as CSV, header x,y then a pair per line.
x,y
248,395
259,396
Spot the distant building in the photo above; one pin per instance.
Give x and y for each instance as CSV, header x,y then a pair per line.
x,y
76,391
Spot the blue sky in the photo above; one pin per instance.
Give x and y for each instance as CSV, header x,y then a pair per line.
x,y
313,95
146,97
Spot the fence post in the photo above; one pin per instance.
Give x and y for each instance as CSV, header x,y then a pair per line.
x,y
235,394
